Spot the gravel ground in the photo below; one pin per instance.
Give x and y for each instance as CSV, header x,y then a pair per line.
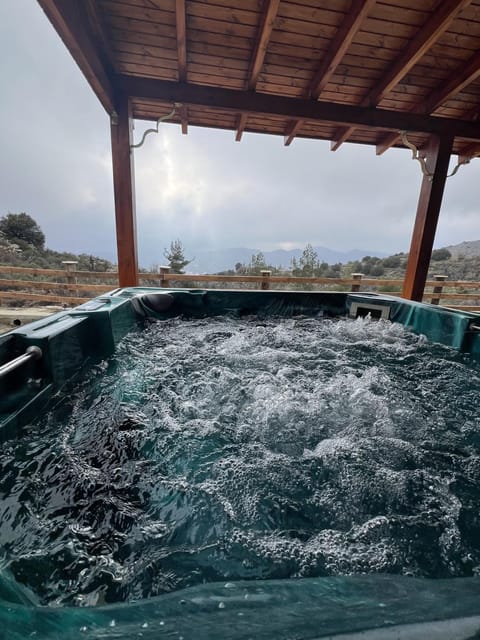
x,y
24,314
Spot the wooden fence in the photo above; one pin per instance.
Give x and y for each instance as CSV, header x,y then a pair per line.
x,y
25,286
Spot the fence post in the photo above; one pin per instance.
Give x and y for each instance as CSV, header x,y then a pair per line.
x,y
438,289
265,284
69,267
163,271
70,278
355,286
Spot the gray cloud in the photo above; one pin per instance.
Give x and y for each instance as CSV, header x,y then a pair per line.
x,y
203,188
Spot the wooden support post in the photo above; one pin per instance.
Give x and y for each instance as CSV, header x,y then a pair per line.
x,y
124,191
438,289
265,273
163,271
356,276
437,158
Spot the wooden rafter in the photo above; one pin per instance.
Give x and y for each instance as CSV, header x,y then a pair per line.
x,y
265,32
70,20
241,124
330,61
265,29
453,85
181,30
267,104
435,26
181,26
470,151
387,141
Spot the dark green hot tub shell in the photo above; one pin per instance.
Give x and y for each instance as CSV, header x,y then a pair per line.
x,y
72,340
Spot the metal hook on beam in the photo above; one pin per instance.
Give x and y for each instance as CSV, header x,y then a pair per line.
x,y
416,156
155,130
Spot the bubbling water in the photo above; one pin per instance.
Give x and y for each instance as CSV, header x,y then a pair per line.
x,y
229,449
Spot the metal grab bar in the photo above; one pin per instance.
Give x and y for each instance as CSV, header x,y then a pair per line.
x,y
32,353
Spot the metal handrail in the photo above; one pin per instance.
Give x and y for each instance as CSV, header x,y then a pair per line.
x,y
32,353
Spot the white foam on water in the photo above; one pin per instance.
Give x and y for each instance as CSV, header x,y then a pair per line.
x,y
246,448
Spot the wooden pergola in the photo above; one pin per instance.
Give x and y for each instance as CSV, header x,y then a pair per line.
x,y
382,73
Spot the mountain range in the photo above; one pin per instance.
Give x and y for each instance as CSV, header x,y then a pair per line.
x,y
466,249
213,261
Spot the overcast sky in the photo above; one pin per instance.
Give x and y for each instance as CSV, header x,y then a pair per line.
x,y
203,188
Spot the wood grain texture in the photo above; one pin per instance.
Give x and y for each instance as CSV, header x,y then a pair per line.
x,y
124,193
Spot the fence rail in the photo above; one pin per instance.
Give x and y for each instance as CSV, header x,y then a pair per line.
x,y
20,285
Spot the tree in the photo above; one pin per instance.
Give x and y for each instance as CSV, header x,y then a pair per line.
x,y
441,254
257,263
22,228
308,261
392,262
176,257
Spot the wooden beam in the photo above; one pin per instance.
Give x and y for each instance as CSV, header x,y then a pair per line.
x,y
434,27
70,21
181,26
269,104
267,20
330,61
124,192
437,158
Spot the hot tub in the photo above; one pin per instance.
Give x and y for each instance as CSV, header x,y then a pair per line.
x,y
327,499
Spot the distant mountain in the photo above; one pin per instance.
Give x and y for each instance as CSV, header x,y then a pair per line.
x,y
466,249
222,259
